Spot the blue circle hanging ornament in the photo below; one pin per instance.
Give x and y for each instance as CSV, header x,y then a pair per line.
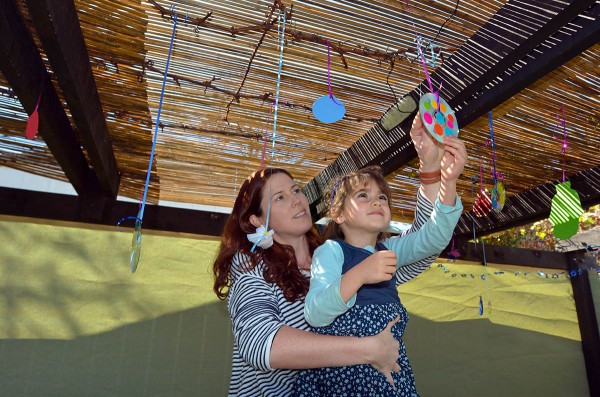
x,y
438,117
328,109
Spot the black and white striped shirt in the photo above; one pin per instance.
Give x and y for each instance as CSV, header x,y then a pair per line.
x,y
258,309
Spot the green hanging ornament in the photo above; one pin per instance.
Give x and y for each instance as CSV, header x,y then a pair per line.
x,y
565,211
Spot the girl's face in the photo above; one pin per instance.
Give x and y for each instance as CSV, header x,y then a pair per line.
x,y
290,214
366,211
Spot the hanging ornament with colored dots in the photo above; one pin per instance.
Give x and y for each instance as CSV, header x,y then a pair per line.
x,y
438,117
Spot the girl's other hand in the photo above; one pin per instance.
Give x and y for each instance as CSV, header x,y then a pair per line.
x,y
378,267
455,158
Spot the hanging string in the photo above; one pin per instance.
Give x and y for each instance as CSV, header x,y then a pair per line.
x,y
473,179
264,149
496,175
136,243
387,80
132,218
329,74
281,36
493,147
562,122
487,287
420,51
37,105
157,124
483,276
481,188
440,30
423,62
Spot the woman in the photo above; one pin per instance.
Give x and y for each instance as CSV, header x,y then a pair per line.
x,y
266,286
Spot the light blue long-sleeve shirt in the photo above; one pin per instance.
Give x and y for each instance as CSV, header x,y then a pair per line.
x,y
324,301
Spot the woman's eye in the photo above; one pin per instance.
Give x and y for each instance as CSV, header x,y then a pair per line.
x,y
296,190
279,197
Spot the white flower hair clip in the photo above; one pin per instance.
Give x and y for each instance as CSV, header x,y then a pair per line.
x,y
262,238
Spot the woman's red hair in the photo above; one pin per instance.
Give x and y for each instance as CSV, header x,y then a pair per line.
x,y
280,265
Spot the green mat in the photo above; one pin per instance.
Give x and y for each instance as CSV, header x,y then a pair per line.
x,y
75,322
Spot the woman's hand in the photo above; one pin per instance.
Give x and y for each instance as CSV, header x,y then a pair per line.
x,y
385,352
430,151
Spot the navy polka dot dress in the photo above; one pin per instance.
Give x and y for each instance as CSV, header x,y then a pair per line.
x,y
376,305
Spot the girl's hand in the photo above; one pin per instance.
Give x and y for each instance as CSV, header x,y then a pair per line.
x,y
380,266
385,352
455,158
430,151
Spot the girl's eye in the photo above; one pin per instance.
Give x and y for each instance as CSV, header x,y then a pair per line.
x,y
383,197
362,194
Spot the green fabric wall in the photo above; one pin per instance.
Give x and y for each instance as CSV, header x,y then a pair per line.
x,y
75,322
526,343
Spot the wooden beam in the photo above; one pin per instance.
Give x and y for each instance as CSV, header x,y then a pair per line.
x,y
62,207
509,256
509,36
529,206
22,66
586,316
571,45
58,26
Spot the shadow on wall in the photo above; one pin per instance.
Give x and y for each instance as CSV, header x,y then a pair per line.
x,y
479,358
75,322
189,354
181,354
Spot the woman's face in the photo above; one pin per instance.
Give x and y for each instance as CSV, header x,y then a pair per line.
x,y
290,214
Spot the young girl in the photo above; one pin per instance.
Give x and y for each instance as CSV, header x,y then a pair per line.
x,y
352,290
265,288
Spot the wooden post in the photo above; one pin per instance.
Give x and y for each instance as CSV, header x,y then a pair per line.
x,y
586,315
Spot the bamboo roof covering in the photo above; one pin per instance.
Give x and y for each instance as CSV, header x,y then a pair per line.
x,y
222,83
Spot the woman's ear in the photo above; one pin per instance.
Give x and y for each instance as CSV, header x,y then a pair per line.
x,y
255,221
